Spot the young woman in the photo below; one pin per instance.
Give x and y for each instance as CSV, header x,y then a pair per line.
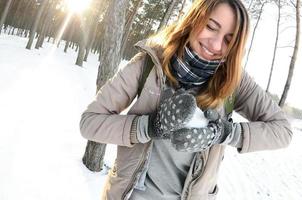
x,y
197,63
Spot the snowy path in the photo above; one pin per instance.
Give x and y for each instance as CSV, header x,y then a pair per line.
x,y
42,95
268,175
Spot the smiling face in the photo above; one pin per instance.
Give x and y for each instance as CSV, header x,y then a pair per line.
x,y
211,43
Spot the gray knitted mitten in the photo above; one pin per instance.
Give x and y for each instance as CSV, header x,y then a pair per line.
x,y
199,139
175,110
195,139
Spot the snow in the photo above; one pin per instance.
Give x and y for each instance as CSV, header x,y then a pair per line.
x,y
42,96
269,175
198,120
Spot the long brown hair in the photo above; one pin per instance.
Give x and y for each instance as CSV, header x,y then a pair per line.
x,y
174,37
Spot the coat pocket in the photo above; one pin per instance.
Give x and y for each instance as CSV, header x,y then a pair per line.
x,y
213,195
206,195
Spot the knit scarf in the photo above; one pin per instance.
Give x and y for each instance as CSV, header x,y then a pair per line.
x,y
193,70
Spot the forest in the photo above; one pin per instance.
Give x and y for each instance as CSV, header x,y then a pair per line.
x,y
98,25
110,28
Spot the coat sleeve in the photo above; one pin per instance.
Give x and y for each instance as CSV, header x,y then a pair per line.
x,y
268,127
101,121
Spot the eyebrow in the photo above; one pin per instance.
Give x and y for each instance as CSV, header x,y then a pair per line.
x,y
213,20
217,24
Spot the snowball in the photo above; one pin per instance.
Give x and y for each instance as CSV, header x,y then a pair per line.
x,y
198,120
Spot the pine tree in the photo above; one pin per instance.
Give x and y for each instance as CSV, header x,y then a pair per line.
x,y
109,60
36,23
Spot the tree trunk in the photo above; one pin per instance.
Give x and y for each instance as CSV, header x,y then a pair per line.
x,y
294,57
58,43
23,24
81,52
45,24
91,30
41,37
11,30
15,16
18,17
181,11
81,45
49,31
4,14
250,5
147,30
69,37
129,24
93,27
253,35
49,37
275,47
26,33
67,42
110,59
92,35
94,156
168,14
35,25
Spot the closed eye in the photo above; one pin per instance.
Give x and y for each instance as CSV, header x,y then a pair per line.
x,y
228,39
210,28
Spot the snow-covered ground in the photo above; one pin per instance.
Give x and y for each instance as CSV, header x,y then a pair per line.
x,y
42,95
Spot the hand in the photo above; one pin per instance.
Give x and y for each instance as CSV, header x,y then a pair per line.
x,y
226,127
174,111
199,139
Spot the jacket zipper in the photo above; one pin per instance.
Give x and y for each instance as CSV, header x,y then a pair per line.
x,y
203,158
191,184
134,176
143,160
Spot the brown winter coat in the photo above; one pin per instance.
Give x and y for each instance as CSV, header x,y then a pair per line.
x,y
101,122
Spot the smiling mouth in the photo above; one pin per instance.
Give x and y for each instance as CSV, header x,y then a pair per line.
x,y
208,52
205,53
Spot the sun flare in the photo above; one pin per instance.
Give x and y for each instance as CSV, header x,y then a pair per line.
x,y
78,6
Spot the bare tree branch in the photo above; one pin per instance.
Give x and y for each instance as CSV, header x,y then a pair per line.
x,y
286,28
280,47
293,4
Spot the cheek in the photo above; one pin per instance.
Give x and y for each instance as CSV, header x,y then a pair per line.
x,y
194,42
205,37
224,48
201,36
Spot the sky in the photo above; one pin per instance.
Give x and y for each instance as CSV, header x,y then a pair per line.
x,y
262,52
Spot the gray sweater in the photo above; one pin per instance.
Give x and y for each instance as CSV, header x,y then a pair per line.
x,y
167,168
166,173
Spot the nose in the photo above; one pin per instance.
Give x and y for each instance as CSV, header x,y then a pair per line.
x,y
216,44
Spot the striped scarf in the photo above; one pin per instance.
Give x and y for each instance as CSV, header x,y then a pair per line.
x,y
193,70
